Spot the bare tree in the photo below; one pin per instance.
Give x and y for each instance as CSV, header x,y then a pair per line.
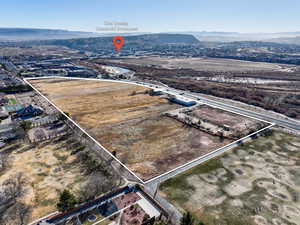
x,y
4,161
93,187
15,187
12,211
96,185
21,213
18,214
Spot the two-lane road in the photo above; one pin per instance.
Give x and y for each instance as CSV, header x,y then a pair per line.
x,y
153,184
281,122
291,124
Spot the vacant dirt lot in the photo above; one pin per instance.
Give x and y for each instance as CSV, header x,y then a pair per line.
x,y
274,87
257,183
151,146
206,64
222,117
48,169
129,123
96,103
230,124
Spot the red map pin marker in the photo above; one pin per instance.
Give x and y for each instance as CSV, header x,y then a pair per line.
x,y
118,42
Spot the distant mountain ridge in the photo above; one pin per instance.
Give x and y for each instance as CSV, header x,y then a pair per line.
x,y
287,40
32,34
137,42
23,34
235,36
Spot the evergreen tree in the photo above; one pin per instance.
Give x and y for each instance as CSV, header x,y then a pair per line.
x,y
187,219
67,201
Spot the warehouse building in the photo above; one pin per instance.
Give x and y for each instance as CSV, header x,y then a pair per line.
x,y
183,101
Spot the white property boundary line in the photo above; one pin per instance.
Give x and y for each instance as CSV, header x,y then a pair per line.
x,y
220,107
82,130
134,83
144,85
235,107
209,154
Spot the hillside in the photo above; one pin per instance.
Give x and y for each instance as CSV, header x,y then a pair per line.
x,y
282,37
22,34
138,42
287,40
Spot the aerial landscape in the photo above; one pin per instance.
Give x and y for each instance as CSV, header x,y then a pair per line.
x,y
158,113
142,131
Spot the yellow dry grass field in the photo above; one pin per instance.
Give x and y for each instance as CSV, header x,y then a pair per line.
x,y
48,169
97,103
126,120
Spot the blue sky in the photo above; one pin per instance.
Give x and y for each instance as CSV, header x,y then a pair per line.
x,y
155,15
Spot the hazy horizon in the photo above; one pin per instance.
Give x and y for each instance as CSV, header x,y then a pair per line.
x,y
187,31
156,16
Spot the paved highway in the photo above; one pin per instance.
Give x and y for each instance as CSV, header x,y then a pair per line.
x,y
153,184
265,117
281,122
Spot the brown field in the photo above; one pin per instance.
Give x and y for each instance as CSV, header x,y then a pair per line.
x,y
231,124
217,122
273,87
95,103
157,144
222,117
48,169
132,127
205,64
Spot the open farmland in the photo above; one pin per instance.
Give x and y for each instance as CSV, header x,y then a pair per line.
x,y
130,123
271,86
221,117
206,64
225,123
157,144
257,183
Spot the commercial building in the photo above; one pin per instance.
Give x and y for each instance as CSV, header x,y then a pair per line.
x,y
182,101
